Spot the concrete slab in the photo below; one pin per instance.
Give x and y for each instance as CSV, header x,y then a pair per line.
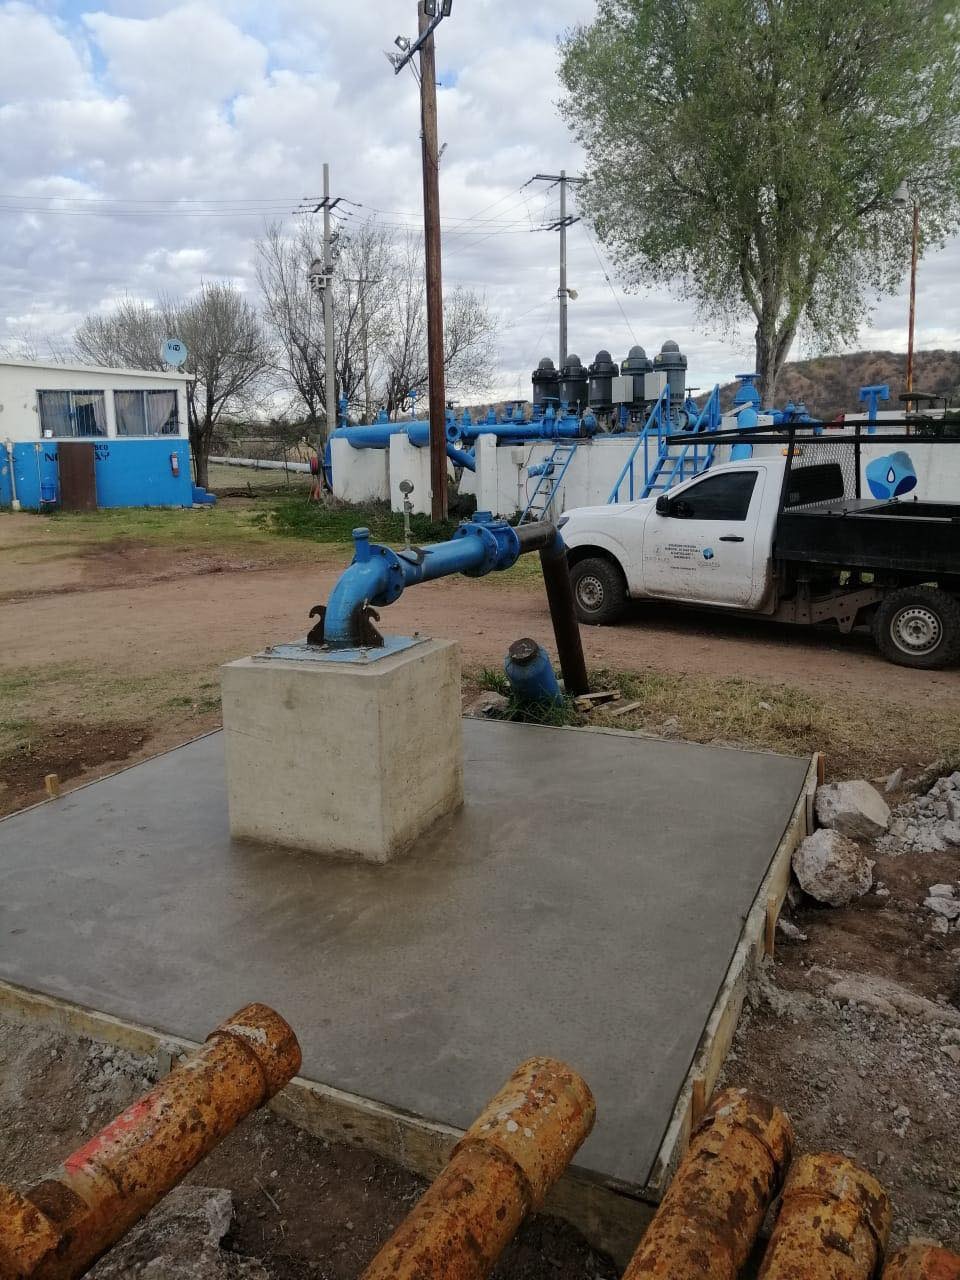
x,y
585,902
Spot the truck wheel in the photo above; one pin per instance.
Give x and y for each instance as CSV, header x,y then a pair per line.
x,y
599,590
918,627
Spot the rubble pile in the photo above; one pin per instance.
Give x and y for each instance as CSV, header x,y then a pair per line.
x,y
927,823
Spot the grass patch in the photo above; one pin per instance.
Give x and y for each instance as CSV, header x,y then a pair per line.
x,y
320,523
207,526
858,738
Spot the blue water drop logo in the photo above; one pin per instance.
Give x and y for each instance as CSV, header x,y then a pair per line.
x,y
708,553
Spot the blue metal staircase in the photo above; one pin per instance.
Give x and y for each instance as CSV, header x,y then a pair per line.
x,y
549,476
667,464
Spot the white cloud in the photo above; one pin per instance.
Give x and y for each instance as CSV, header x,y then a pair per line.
x,y
143,142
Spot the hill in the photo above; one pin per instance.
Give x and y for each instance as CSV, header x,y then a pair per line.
x,y
829,385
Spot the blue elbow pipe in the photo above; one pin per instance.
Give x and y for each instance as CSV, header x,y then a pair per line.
x,y
461,458
379,575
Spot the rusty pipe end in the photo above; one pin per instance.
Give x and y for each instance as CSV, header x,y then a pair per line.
x,y
835,1177
539,1119
26,1235
269,1039
923,1260
762,1119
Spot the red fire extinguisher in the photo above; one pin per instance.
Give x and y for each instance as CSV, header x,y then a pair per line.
x,y
175,463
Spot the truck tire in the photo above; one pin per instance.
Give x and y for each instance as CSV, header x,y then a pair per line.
x,y
599,591
918,627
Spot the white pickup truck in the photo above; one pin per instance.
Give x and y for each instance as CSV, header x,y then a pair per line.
x,y
778,539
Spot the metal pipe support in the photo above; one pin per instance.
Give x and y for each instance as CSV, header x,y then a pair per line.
x,y
503,1167
59,1227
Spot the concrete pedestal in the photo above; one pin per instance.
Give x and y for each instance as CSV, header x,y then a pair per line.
x,y
353,760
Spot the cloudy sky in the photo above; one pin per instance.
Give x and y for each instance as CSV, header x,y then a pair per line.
x,y
144,142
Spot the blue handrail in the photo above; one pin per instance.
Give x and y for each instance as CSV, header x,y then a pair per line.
x,y
657,426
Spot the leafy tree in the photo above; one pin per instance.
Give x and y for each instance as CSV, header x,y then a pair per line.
x,y
750,149
228,353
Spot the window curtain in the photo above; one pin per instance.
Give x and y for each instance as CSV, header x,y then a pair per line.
x,y
89,413
55,413
162,413
128,406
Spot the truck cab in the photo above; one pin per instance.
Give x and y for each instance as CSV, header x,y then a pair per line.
x,y
706,542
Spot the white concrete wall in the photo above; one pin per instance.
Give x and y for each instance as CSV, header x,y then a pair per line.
x,y
21,380
501,483
407,462
359,475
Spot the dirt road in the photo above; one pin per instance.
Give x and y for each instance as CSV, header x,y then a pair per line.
x,y
154,615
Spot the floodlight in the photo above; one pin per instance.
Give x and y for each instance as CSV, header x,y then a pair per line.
x,y
902,197
430,8
445,9
402,43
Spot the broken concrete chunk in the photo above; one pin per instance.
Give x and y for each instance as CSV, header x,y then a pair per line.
x,y
831,868
953,808
949,908
179,1240
950,832
941,891
853,808
893,781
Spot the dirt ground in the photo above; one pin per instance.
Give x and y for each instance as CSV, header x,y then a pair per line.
x,y
109,652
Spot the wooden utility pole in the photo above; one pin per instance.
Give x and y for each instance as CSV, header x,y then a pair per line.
x,y
913,297
434,270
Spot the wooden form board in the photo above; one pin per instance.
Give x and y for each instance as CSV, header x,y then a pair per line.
x,y
611,1216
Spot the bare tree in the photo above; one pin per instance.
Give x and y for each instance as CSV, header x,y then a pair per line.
x,y
379,316
227,352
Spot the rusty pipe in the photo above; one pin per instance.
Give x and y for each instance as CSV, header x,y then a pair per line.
x,y
712,1211
62,1224
834,1222
501,1169
923,1260
563,614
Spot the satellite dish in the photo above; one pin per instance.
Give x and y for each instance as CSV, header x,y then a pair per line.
x,y
173,352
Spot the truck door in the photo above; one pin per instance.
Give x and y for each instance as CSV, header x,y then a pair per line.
x,y
703,548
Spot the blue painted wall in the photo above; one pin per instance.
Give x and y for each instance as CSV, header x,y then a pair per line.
x,y
129,473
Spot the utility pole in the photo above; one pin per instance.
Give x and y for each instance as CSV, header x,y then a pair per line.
x,y
434,270
330,355
565,220
430,13
321,281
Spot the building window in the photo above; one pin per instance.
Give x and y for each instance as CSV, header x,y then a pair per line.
x,y
72,413
146,413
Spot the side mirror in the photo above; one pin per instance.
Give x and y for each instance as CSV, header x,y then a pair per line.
x,y
663,505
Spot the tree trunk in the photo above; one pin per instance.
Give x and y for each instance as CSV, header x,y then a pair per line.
x,y
200,445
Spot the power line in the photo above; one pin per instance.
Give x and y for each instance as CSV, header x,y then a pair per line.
x,y
606,277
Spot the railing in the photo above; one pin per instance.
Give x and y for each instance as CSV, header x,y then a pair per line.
x,y
657,427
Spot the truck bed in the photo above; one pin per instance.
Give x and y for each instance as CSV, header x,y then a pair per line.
x,y
918,537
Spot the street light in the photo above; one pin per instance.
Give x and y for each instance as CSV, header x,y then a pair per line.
x,y
903,198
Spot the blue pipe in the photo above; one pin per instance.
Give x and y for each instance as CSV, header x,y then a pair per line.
x,y
531,674
377,435
378,576
546,428
461,458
